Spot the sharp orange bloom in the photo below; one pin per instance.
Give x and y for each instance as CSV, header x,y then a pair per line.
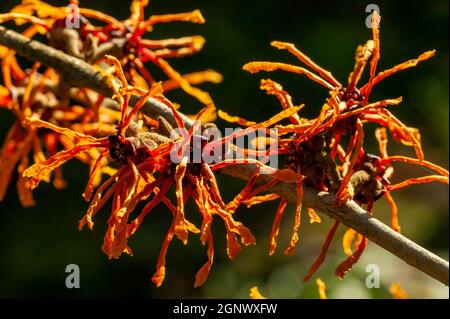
x,y
316,150
97,34
146,172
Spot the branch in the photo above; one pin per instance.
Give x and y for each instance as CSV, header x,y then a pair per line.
x,y
353,216
81,74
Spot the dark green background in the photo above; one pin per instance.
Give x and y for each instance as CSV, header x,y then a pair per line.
x,y
36,244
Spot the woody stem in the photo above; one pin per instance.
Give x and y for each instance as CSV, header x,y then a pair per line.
x,y
81,74
353,216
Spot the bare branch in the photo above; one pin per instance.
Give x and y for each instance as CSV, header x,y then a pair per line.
x,y
81,74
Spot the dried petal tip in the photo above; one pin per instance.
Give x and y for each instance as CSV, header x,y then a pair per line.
x,y
347,264
397,291
322,288
203,273
313,217
234,119
426,55
5,96
255,294
197,17
159,276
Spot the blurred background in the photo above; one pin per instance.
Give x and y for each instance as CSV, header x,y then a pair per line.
x,y
37,243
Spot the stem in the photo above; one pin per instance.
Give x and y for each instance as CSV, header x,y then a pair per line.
x,y
81,74
353,216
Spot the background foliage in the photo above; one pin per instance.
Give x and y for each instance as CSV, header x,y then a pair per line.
x,y
37,244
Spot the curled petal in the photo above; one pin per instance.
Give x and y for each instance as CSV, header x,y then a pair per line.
x,y
203,273
429,165
116,237
23,189
234,119
400,132
381,136
39,171
313,217
5,96
180,221
40,8
344,192
10,155
22,18
370,107
276,226
233,226
243,194
347,241
95,171
255,67
89,13
37,123
395,225
375,54
298,213
255,200
347,264
192,16
363,54
160,273
403,66
99,200
250,130
200,95
233,247
207,114
306,60
285,129
418,180
274,88
323,252
194,78
286,113
159,196
191,46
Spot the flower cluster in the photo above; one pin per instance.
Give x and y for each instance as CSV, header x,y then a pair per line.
x,y
148,160
315,148
41,93
70,29
147,172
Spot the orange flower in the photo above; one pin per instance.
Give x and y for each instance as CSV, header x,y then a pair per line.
x,y
122,39
315,150
150,165
147,173
43,95
20,140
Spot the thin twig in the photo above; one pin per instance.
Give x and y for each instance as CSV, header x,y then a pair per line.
x,y
81,74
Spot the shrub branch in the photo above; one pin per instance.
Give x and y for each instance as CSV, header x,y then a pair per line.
x,y
81,74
